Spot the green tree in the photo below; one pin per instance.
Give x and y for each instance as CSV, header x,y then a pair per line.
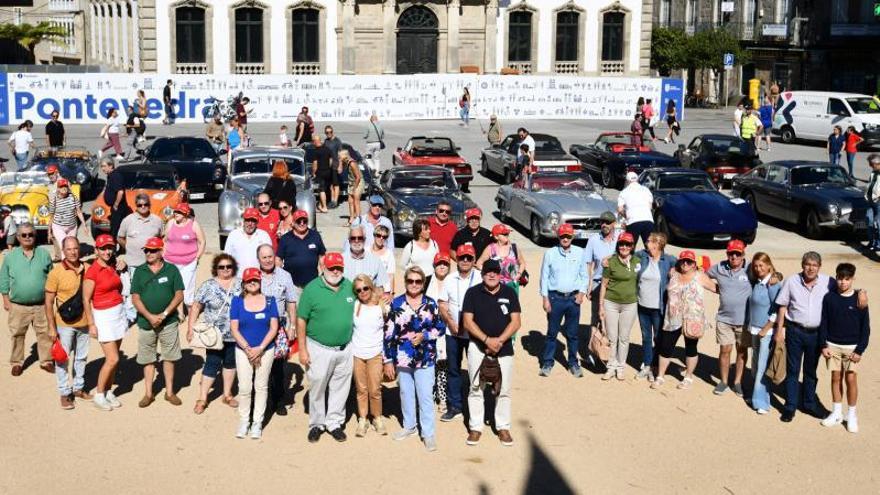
x,y
706,49
30,36
669,50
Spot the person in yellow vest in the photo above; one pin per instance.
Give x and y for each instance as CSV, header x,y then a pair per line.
x,y
750,129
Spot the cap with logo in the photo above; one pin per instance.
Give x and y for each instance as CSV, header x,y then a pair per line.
x,y
104,240
154,243
183,208
687,254
500,229
566,229
472,213
251,274
300,214
441,258
491,266
465,250
51,169
251,214
632,176
736,246
62,183
625,237
334,260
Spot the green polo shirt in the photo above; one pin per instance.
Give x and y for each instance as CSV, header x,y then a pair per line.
x,y
156,291
23,278
622,280
329,314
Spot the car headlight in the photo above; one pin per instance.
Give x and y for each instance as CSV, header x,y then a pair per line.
x,y
167,211
99,211
553,219
406,215
834,209
43,211
845,210
81,178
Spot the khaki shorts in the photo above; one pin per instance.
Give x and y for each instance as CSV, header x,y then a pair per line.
x,y
149,340
840,359
727,334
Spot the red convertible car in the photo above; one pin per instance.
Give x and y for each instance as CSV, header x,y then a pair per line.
x,y
441,151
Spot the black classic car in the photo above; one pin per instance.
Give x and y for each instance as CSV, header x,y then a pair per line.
x,y
75,163
614,154
816,196
195,161
549,156
412,192
722,156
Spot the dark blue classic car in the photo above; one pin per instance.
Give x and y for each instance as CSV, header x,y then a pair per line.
x,y
614,154
75,163
688,207
412,192
194,160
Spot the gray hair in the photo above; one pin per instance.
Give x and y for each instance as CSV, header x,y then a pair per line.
x,y
873,158
142,197
25,225
108,161
811,256
356,228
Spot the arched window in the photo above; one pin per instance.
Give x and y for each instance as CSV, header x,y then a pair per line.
x,y
306,39
567,36
249,35
612,36
519,40
190,35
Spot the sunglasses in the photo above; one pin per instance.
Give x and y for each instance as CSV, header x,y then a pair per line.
x,y
444,210
302,221
735,254
625,245
380,236
361,290
356,238
224,267
252,281
375,205
108,247
150,251
607,223
335,269
26,235
687,262
466,257
284,207
143,205
414,281
566,236
264,203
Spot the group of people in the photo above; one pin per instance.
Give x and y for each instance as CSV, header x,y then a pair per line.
x,y
646,118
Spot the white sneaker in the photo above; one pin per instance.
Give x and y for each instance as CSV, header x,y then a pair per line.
x,y
761,411
832,420
608,375
102,403
113,400
644,373
852,424
256,432
243,427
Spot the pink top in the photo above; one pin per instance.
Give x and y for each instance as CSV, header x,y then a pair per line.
x,y
181,243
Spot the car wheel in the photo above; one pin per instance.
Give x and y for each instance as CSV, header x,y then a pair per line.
x,y
750,237
788,135
223,242
662,226
753,204
466,187
607,177
810,224
535,232
508,176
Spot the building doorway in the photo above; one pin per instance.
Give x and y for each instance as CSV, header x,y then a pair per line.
x,y
417,33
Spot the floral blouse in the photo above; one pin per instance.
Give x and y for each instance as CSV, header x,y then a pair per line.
x,y
215,304
509,263
403,323
684,302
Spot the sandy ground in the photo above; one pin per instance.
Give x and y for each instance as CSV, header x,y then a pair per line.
x,y
572,436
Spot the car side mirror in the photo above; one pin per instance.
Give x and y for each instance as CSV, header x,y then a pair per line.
x,y
399,149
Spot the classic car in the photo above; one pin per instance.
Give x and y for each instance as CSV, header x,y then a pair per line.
x,y
421,150
688,207
75,163
814,195
549,155
722,156
27,194
613,154
158,181
195,161
249,171
547,199
412,192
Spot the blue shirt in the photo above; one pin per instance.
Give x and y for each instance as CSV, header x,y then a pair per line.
x,y
766,112
254,326
762,303
597,250
564,271
835,143
301,256
664,264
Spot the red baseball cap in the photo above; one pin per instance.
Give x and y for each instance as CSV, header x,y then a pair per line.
x,y
734,246
104,240
62,183
465,249
566,229
333,260
500,228
183,208
626,237
251,274
51,169
441,258
687,254
251,214
473,212
154,243
300,214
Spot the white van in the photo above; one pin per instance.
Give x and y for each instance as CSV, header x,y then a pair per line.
x,y
813,114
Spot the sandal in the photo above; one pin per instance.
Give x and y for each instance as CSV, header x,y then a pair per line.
x,y
200,406
686,383
230,401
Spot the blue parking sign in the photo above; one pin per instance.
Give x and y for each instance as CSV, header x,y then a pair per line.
x,y
728,60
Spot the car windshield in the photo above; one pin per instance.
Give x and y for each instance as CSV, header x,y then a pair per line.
x,y
864,105
431,146
728,146
688,182
24,178
804,176
146,179
182,149
547,144
422,179
263,165
561,182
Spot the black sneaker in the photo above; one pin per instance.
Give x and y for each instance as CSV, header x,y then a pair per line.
x,y
315,434
338,435
450,415
281,409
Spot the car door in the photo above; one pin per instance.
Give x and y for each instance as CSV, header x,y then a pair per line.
x,y
494,155
838,114
520,199
776,197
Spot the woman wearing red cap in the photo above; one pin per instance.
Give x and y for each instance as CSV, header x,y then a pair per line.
x,y
64,211
618,299
512,262
685,314
105,313
184,245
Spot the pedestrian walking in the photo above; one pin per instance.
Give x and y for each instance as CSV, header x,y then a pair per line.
x,y
305,127
20,144
355,183
184,247
464,104
110,132
618,300
322,172
168,103
766,113
671,122
114,195
872,194
55,134
853,139
734,285
653,277
738,114
367,347
375,139
242,112
761,317
635,203
649,118
134,131
835,144
637,130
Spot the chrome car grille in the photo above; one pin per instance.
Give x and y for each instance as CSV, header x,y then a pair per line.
x,y
588,224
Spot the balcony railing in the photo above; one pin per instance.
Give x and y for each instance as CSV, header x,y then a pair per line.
x,y
522,67
305,68
612,67
192,68
64,5
65,45
567,67
250,68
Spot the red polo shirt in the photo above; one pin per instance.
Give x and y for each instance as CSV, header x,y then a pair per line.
x,y
442,234
108,286
270,223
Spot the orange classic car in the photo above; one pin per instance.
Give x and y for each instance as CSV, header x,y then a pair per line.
x,y
160,182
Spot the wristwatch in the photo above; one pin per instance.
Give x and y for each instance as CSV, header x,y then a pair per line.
x,y
164,314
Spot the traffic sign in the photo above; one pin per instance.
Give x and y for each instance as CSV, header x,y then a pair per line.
x,y
728,61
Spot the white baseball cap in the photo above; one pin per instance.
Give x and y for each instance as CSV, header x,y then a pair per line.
x,y
632,176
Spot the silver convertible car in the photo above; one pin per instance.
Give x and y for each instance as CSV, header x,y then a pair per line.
x,y
548,199
249,171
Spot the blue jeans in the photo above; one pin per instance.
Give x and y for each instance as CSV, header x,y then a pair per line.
x,y
850,161
21,160
464,113
650,320
567,308
76,343
416,388
834,158
873,219
760,357
455,350
169,112
800,346
217,360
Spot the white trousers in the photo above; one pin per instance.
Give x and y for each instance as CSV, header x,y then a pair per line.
x,y
475,397
253,381
329,383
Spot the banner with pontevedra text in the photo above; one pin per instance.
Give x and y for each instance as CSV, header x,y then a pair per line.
x,y
86,98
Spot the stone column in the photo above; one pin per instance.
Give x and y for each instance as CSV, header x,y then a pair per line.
x,y
124,20
388,37
93,39
452,19
105,32
489,62
114,28
136,49
348,48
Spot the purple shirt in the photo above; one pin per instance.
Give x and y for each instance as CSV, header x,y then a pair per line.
x,y
804,303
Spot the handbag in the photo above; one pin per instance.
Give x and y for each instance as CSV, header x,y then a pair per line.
x,y
381,141
776,367
59,355
692,329
207,335
600,346
282,345
71,310
490,372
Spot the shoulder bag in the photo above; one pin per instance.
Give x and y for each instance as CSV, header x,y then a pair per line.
x,y
600,346
490,373
776,367
206,335
692,329
71,310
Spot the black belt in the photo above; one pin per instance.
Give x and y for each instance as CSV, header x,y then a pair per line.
x,y
28,304
802,328
563,294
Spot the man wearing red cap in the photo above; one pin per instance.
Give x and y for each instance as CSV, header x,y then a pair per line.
x,y
269,219
134,231
443,229
325,319
734,279
156,292
477,236
301,250
243,242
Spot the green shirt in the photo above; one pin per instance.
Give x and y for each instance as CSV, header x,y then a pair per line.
x,y
329,314
23,278
156,291
622,280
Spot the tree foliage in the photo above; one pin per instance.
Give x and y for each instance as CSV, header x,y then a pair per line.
x,y
672,49
669,48
29,36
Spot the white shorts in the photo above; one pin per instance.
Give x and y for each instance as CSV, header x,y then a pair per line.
x,y
188,274
111,323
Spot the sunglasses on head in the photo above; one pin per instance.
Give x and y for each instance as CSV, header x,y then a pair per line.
x,y
414,281
361,290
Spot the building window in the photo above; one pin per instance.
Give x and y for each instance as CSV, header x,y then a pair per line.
x,y
692,13
567,36
190,35
519,41
248,35
665,13
305,35
612,36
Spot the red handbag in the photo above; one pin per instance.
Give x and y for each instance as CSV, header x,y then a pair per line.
x,y
294,348
58,352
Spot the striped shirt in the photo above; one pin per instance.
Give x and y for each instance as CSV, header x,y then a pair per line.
x,y
64,210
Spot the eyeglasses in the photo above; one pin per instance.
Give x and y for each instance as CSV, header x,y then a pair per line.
x,y
143,205
224,267
335,269
284,207
444,210
26,235
356,238
566,236
150,251
466,257
414,281
328,132
380,236
735,254
361,290
108,247
302,221
264,203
